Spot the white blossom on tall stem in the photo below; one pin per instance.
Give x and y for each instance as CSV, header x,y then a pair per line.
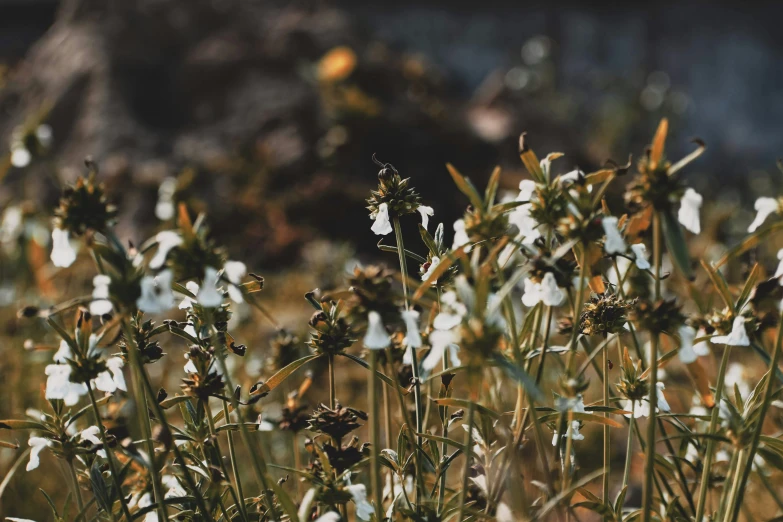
x,y
235,271
376,337
37,445
164,208
364,510
63,254
688,215
167,240
434,262
112,379
382,224
100,304
737,337
412,335
764,207
577,406
615,244
188,301
156,294
426,213
546,291
640,254
688,351
59,385
208,294
520,216
460,235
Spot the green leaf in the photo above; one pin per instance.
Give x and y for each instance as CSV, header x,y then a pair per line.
x,y
429,242
389,248
750,283
464,403
99,488
13,424
675,243
465,186
278,378
492,188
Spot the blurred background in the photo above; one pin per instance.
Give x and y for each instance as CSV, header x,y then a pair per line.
x,y
266,116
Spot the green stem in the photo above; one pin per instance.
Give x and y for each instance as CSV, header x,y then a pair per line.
x,y
649,468
629,447
144,419
705,475
414,364
109,457
773,366
332,392
234,467
468,452
607,434
77,490
238,500
729,495
375,438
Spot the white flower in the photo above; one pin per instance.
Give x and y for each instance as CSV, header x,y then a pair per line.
x,y
156,295
12,224
167,240
112,379
426,213
737,337
640,253
364,509
188,301
91,434
764,207
687,336
63,352
412,337
20,156
189,366
100,294
264,425
14,519
460,236
615,244
63,254
440,340
520,216
642,408
546,291
44,134
578,406
434,262
331,516
688,215
59,386
235,271
146,501
37,444
208,294
376,337
164,209
175,488
382,225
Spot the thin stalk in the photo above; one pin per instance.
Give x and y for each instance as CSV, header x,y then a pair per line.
x,y
607,438
161,416
649,468
238,500
144,420
730,495
468,452
773,365
414,364
705,475
109,457
375,437
235,468
629,448
75,479
332,392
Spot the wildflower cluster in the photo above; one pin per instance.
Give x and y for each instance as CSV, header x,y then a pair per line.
x,y
544,331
